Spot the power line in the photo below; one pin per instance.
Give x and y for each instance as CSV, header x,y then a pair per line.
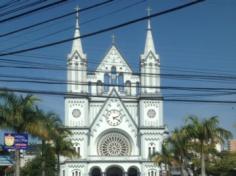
x,y
32,11
153,97
163,67
56,18
67,28
14,3
191,76
22,7
106,29
61,81
7,4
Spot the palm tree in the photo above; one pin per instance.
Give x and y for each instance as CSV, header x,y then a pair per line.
x,y
50,122
205,134
164,157
63,146
179,142
18,114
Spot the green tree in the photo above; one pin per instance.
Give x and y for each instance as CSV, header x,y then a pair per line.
x,y
51,123
63,146
165,156
174,151
224,165
179,142
18,114
58,138
205,134
34,167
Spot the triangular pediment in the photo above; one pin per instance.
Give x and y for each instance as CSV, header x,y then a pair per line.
x,y
76,55
113,114
150,56
114,58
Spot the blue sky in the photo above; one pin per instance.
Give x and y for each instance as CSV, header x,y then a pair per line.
x,y
197,40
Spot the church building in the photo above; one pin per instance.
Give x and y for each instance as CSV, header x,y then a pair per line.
x,y
115,115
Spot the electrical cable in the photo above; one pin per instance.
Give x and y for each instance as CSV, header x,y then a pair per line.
x,y
60,81
7,4
105,29
32,11
67,28
124,97
56,18
22,7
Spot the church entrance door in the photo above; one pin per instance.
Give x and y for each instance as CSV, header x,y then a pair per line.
x,y
114,171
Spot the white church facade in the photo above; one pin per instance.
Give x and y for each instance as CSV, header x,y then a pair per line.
x,y
116,116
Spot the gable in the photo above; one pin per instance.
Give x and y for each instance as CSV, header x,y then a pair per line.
x,y
76,56
114,58
113,114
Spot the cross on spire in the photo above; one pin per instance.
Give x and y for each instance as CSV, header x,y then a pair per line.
x,y
113,39
77,16
149,11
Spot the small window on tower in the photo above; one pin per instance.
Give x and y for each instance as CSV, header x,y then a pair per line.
x,y
78,151
149,151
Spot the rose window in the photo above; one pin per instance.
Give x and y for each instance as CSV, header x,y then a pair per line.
x,y
114,144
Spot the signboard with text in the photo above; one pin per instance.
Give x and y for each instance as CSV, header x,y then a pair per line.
x,y
15,141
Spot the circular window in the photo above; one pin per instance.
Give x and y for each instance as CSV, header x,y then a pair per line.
x,y
76,113
151,113
114,144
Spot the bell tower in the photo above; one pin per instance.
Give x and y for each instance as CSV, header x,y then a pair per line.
x,y
150,103
77,64
149,65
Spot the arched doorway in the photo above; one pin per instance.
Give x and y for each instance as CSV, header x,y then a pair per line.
x,y
96,172
114,171
133,171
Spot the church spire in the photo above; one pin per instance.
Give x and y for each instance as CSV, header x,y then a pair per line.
x,y
77,45
149,64
149,44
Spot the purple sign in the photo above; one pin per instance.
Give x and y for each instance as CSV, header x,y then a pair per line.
x,y
15,141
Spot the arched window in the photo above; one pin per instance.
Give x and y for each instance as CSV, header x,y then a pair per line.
x,y
128,87
106,82
152,172
138,90
75,173
121,82
113,76
99,87
151,149
90,88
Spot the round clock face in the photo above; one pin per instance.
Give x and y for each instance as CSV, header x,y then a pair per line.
x,y
76,113
113,117
151,113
